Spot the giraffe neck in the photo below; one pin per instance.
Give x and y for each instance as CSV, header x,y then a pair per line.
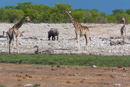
x,y
124,22
18,25
75,23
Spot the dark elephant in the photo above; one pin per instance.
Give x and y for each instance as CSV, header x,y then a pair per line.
x,y
53,32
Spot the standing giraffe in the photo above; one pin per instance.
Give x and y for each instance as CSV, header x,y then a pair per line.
x,y
14,32
123,29
79,30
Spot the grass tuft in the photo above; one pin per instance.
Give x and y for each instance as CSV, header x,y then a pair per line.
x,y
2,85
67,60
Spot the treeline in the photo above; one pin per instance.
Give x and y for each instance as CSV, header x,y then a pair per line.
x,y
39,13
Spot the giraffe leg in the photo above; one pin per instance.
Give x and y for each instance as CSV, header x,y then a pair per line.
x,y
87,40
57,37
7,40
124,36
125,33
121,33
17,37
76,36
9,49
78,45
13,39
9,45
16,41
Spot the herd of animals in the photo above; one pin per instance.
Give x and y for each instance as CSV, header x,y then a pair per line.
x,y
13,32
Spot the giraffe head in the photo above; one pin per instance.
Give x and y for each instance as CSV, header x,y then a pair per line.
x,y
123,18
68,11
28,19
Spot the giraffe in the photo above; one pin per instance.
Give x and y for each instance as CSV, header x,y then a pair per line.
x,y
79,30
14,32
123,29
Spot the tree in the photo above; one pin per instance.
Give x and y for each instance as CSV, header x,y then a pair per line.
x,y
128,11
105,20
95,10
14,15
2,14
59,10
87,15
24,6
78,16
118,11
100,19
9,7
111,19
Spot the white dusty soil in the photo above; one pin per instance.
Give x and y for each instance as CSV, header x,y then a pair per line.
x,y
37,34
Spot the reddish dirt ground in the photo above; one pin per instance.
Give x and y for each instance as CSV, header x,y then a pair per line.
x,y
13,75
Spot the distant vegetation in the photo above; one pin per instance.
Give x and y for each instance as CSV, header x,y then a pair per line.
x,y
39,13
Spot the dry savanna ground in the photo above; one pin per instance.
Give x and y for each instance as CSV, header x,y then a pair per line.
x,y
63,76
37,34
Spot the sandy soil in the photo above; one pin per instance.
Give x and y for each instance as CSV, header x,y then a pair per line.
x,y
37,34
60,76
